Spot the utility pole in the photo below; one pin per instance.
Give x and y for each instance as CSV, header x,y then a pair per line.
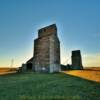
x,y
12,62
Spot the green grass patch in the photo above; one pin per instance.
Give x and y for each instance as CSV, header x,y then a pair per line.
x,y
41,86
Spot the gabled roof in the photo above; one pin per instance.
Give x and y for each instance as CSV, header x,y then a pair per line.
x,y
30,60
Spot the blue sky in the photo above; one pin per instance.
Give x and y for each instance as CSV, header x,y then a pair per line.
x,y
78,23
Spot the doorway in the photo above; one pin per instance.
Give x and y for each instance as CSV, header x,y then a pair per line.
x,y
29,66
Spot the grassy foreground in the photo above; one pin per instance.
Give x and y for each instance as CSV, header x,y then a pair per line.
x,y
39,86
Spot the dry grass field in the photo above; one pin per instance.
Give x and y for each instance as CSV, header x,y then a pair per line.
x,y
92,73
7,70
